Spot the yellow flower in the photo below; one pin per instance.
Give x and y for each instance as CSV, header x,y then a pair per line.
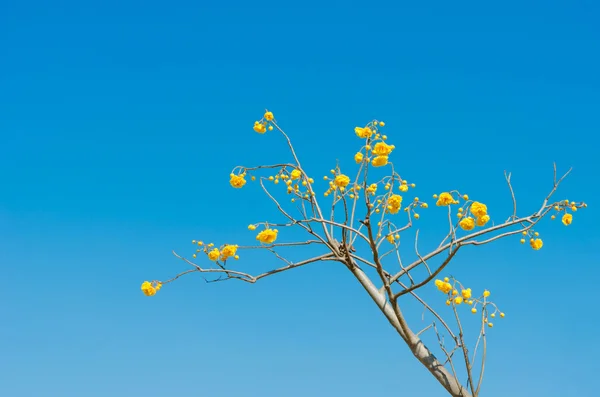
x,y
372,188
341,180
482,220
379,161
148,289
394,203
473,310
214,254
268,116
486,293
522,241
458,300
537,243
259,127
567,219
478,209
383,149
390,238
237,181
381,124
227,251
466,293
467,223
251,227
358,157
365,132
295,174
443,286
490,325
445,199
502,315
267,236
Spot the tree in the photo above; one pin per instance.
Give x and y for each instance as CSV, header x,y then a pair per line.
x,y
361,231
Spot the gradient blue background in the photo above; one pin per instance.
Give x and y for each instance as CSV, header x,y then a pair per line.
x,y
120,122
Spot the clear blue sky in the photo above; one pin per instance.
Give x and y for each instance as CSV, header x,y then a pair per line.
x,y
120,122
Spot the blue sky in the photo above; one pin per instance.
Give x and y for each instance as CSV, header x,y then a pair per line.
x,y
120,122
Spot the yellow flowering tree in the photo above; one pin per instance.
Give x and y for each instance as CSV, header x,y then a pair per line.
x,y
366,214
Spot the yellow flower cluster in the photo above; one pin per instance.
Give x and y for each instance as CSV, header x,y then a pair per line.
x,y
394,203
237,181
151,288
565,206
213,253
450,288
267,236
479,216
340,182
404,186
478,211
293,180
377,155
445,199
265,123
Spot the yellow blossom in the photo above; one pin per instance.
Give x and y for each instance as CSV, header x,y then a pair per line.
x,y
482,220
467,223
268,116
148,289
383,149
567,219
341,180
403,188
445,198
473,310
502,315
251,227
394,203
458,300
228,250
381,124
537,243
466,293
267,236
486,293
372,188
237,181
295,174
478,209
358,157
259,127
443,286
365,132
214,254
379,161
